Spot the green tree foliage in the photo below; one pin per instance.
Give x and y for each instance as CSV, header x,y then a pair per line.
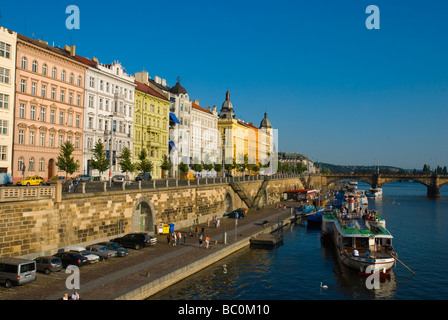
x,y
183,167
143,164
99,160
166,164
125,162
66,162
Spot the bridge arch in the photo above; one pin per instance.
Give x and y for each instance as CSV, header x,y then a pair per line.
x,y
228,202
144,216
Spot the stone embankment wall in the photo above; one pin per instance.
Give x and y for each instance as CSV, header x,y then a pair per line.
x,y
29,228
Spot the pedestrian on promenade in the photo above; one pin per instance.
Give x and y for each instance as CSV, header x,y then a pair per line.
x,y
197,231
75,295
168,238
191,231
207,242
65,297
200,241
185,239
174,239
179,236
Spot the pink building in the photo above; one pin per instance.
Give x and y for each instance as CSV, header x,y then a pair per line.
x,y
49,107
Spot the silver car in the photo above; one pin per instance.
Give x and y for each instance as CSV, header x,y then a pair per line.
x,y
102,251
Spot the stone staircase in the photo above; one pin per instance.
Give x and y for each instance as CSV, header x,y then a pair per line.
x,y
236,186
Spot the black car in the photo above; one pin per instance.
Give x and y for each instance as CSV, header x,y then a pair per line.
x,y
143,176
241,213
69,258
136,240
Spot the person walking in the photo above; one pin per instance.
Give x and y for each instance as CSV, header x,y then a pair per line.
x,y
185,239
179,236
200,241
174,239
207,242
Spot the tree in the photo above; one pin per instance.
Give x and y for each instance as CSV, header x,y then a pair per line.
x,y
197,167
183,167
166,165
99,160
217,167
144,165
65,161
125,162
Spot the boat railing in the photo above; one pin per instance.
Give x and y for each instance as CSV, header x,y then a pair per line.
x,y
380,253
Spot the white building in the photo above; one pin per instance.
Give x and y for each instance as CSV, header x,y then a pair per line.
x,y
109,110
8,40
204,134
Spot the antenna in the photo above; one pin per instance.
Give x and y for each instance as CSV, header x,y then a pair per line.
x,y
0,17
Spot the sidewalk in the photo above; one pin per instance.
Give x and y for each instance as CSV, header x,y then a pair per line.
x,y
112,279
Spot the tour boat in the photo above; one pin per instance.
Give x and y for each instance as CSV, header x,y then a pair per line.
x,y
361,239
374,193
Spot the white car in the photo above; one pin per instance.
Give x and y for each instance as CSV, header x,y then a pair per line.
x,y
83,251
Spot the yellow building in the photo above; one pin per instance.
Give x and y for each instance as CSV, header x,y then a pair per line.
x,y
242,139
151,120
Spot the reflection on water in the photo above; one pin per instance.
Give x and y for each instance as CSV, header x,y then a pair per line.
x,y
296,269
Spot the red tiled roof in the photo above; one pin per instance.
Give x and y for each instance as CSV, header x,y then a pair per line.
x,y
146,89
196,106
86,61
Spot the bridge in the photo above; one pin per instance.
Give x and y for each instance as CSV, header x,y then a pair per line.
x,y
433,182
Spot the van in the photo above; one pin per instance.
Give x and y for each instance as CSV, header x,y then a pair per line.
x,y
187,176
16,271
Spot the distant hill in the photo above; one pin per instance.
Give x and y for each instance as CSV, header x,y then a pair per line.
x,y
347,169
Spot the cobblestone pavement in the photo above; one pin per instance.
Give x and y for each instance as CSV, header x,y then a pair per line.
x,y
109,279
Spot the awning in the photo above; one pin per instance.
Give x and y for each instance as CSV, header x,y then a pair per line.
x,y
174,118
172,145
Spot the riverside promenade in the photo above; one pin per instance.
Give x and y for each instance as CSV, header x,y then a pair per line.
x,y
149,270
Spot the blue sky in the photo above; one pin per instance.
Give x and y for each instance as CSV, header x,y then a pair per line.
x,y
336,91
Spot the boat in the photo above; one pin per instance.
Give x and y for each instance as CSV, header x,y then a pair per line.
x,y
374,193
353,184
362,241
361,194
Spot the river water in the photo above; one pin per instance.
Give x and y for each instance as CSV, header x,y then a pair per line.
x,y
296,269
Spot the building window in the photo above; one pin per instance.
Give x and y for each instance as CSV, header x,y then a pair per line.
x,y
42,139
62,96
78,100
31,164
4,101
20,163
63,75
21,137
4,127
32,138
42,114
22,111
3,153
33,88
22,86
76,142
53,93
51,140
70,98
92,82
54,73
33,113
44,69
4,75
79,81
41,164
72,77
61,117
101,85
90,123
52,116
5,50
78,121
90,101
61,141
24,61
44,91
70,120
34,66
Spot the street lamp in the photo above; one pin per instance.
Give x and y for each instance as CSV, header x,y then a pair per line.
x,y
112,129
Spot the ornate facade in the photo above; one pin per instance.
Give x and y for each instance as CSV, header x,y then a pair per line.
x,y
49,107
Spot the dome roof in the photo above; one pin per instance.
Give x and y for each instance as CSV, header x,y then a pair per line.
x,y
178,89
227,104
265,123
227,108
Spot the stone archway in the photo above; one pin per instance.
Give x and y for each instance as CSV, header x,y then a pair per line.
x,y
228,202
144,216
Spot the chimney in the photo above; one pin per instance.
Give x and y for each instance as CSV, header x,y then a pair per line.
x,y
73,51
157,80
95,59
196,101
164,82
142,77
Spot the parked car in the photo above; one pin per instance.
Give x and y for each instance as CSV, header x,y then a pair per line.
x,y
143,176
121,252
84,177
83,251
48,264
17,271
241,214
72,258
5,179
31,181
102,251
55,179
136,240
118,179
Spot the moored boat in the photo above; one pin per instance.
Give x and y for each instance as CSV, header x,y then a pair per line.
x,y
361,239
374,193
